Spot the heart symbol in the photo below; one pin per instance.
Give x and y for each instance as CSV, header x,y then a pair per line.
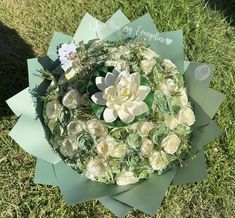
x,y
169,41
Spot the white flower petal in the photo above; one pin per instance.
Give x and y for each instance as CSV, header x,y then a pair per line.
x,y
109,79
143,92
98,98
100,83
125,115
138,108
109,115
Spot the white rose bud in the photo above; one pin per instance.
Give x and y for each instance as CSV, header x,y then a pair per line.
x,y
75,127
171,143
105,146
169,67
148,65
146,148
158,160
182,97
144,127
186,116
68,148
52,109
170,121
126,178
96,128
71,99
95,168
119,151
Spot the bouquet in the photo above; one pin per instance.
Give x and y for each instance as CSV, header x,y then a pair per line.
x,y
116,114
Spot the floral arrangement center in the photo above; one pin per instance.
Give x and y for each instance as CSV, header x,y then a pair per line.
x,y
122,95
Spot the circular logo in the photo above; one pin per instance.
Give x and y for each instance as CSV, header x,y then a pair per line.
x,y
202,72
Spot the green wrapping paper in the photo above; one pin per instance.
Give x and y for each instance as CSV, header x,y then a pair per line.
x,y
147,195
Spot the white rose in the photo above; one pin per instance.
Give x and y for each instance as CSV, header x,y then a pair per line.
x,y
105,146
96,128
144,127
68,148
148,65
146,147
126,178
75,127
182,97
169,67
171,143
170,121
158,160
149,54
95,168
52,109
119,151
186,116
71,99
168,86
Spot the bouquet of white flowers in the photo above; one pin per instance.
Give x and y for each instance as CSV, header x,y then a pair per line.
x,y
116,114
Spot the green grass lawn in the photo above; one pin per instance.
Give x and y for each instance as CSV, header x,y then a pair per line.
x,y
26,27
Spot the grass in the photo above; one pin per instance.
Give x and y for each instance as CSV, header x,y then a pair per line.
x,y
26,27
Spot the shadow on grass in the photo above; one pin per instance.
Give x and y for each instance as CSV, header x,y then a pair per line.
x,y
227,7
14,52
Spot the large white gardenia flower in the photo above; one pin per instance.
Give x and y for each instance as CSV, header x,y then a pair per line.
x,y
171,143
126,178
67,55
122,94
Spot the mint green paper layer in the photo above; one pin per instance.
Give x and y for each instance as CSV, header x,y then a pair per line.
x,y
44,173
212,101
76,188
87,29
194,171
148,195
30,135
22,103
116,207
